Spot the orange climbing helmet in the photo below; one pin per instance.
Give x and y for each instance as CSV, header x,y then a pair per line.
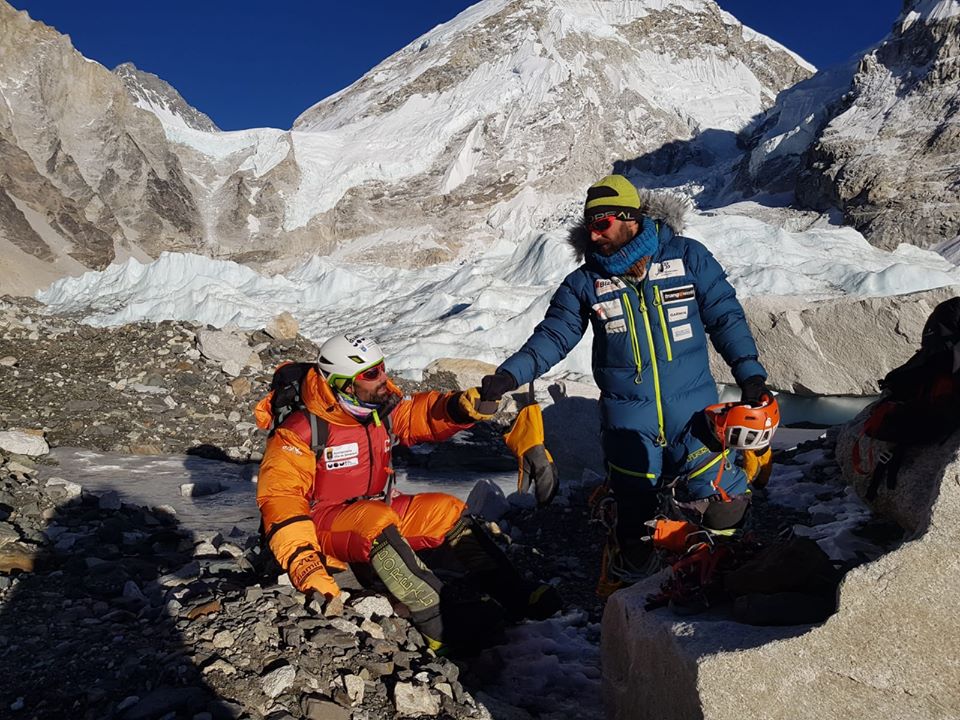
x,y
743,426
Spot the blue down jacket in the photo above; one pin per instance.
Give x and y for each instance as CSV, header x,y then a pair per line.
x,y
649,340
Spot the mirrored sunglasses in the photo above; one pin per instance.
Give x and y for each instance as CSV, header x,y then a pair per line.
x,y
601,224
372,373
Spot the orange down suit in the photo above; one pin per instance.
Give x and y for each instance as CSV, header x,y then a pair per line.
x,y
321,504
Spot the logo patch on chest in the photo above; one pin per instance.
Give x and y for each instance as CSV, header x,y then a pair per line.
x,y
667,269
684,293
682,332
677,314
608,310
341,452
615,326
603,286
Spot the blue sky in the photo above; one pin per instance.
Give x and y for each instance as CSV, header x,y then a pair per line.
x,y
260,64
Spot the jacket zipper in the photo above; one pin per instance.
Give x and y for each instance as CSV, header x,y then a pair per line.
x,y
634,342
661,435
372,460
658,301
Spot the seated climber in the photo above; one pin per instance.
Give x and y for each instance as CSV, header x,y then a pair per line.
x,y
326,494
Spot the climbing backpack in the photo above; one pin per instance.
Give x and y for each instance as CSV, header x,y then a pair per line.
x,y
920,403
284,399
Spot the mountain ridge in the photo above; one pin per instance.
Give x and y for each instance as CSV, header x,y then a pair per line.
x,y
458,155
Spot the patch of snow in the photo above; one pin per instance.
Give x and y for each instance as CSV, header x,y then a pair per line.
x,y
484,308
936,10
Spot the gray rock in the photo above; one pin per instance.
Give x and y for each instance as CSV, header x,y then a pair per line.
x,y
19,442
109,501
354,687
71,489
8,534
344,625
315,708
228,348
276,681
373,606
415,700
224,639
201,488
374,630
834,347
283,327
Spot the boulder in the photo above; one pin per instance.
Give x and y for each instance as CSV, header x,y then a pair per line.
x,y
846,345
283,327
465,373
22,442
889,651
230,350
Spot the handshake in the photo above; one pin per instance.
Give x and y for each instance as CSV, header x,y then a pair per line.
x,y
477,404
493,387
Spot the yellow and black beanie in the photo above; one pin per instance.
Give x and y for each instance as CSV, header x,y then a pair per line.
x,y
613,195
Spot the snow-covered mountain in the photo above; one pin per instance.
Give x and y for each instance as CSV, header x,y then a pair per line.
x,y
162,99
876,138
87,178
488,126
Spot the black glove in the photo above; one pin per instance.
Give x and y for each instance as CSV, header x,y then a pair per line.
x,y
539,470
753,389
492,387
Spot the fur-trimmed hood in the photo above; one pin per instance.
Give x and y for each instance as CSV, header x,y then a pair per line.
x,y
666,207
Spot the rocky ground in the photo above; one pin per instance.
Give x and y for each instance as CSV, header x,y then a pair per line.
x,y
110,610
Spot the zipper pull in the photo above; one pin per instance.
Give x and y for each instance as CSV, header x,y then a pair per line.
x,y
661,439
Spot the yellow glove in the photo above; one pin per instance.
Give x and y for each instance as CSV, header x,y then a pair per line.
x,y
473,407
537,469
307,572
758,464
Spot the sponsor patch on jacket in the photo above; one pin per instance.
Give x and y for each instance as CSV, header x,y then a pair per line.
x,y
682,332
340,452
603,286
345,463
678,313
667,269
684,293
615,326
609,309
291,449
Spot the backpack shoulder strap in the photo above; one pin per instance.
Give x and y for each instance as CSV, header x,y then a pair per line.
x,y
310,428
319,430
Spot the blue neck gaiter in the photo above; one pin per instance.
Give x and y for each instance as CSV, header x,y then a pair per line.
x,y
643,244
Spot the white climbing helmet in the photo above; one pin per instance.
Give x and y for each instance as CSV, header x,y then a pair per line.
x,y
343,357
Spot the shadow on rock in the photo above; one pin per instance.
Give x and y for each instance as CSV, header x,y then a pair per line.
x,y
92,631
